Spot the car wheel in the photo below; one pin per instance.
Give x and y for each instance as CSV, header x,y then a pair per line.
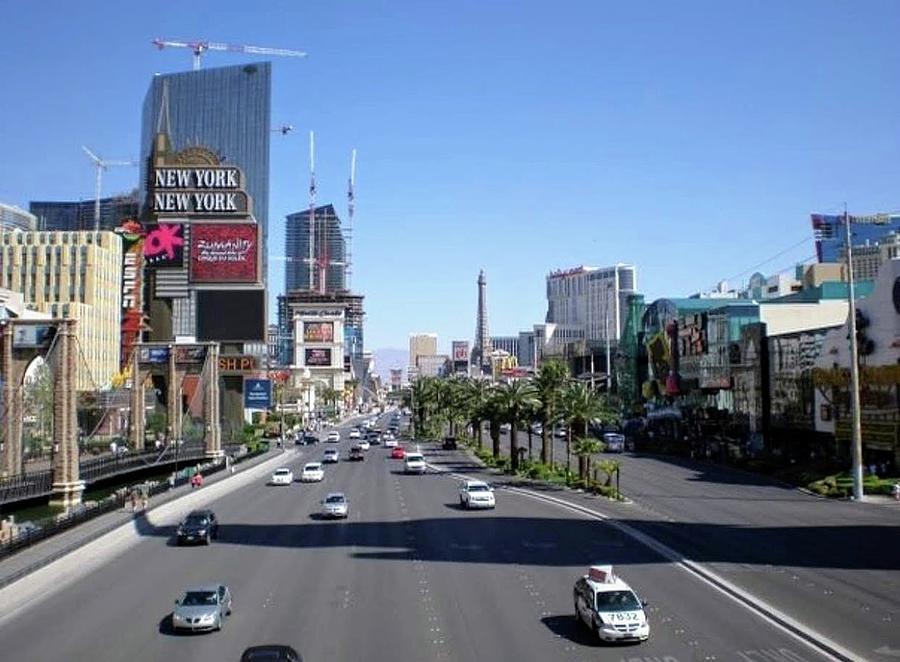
x,y
218,624
461,502
578,618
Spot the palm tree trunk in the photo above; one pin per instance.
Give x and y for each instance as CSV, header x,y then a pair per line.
x,y
530,435
513,447
495,437
546,457
568,451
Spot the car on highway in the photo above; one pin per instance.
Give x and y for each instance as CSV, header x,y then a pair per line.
x,y
330,456
307,439
476,494
355,434
605,603
312,473
364,444
614,442
335,505
560,432
505,428
397,452
390,442
202,608
271,653
282,476
333,437
414,463
536,428
200,526
356,454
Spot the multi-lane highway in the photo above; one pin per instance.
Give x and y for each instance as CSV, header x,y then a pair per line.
x,y
408,576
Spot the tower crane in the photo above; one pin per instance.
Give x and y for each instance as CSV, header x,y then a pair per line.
x,y
101,166
200,47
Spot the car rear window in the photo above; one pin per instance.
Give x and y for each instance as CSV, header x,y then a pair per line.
x,y
413,457
334,499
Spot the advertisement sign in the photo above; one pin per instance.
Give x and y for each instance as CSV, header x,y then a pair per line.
x,y
154,355
242,363
257,393
132,269
460,350
190,354
318,332
317,357
396,377
164,245
224,252
33,336
231,315
193,191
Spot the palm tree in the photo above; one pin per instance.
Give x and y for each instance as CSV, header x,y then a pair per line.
x,y
514,399
478,393
549,382
580,405
422,397
585,449
494,413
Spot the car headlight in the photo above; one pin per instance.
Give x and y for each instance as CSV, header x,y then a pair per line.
x,y
206,618
201,532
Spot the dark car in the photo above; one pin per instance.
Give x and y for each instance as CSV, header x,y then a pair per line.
x,y
449,444
308,439
356,454
271,653
200,526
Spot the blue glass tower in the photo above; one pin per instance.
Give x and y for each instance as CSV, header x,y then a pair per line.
x,y
225,109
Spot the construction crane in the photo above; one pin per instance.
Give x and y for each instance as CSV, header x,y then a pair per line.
x,y
101,166
284,129
200,47
351,206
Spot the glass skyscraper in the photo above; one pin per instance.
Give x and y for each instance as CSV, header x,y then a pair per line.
x,y
328,225
225,109
831,238
79,215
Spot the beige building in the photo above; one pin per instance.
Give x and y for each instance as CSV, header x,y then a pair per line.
x,y
76,275
421,344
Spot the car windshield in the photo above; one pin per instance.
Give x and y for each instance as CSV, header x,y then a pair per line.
x,y
414,457
334,498
617,601
195,520
199,598
478,488
282,472
311,467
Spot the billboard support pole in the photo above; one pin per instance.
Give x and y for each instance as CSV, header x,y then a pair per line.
x,y
855,421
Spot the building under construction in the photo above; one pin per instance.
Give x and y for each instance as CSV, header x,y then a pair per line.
x,y
329,247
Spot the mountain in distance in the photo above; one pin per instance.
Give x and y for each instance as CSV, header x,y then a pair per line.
x,y
387,358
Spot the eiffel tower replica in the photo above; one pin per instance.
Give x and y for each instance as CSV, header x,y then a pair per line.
x,y
481,352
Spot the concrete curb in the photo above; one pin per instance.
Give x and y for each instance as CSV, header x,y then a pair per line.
x,y
72,564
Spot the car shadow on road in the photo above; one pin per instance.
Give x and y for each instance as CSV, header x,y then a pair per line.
x,y
166,628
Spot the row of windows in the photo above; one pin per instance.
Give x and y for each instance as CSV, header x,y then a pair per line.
x,y
53,238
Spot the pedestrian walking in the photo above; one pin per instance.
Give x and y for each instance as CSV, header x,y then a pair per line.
x,y
145,497
134,500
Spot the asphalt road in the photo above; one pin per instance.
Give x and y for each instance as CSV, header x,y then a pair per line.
x,y
833,565
408,576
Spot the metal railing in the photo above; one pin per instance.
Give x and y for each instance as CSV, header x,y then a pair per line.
x,y
26,485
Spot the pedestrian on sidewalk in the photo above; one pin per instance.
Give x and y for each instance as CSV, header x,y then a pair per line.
x,y
145,497
134,500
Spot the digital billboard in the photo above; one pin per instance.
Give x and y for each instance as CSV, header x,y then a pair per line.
x,y
317,357
164,245
318,332
190,354
233,315
460,350
33,336
224,252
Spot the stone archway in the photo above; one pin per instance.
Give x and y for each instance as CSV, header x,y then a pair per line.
x,y
21,341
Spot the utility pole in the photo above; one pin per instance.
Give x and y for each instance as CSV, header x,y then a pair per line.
x,y
855,420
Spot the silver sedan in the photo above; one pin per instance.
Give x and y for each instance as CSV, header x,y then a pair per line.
x,y
202,608
335,505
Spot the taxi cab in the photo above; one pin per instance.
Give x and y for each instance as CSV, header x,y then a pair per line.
x,y
607,605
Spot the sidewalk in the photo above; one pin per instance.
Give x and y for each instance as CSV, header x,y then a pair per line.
x,y
35,557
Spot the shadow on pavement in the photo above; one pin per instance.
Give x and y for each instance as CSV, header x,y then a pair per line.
x,y
568,627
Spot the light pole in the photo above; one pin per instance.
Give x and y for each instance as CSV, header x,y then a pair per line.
x,y
855,420
606,333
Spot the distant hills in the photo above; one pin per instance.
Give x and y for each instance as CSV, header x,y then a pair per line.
x,y
387,358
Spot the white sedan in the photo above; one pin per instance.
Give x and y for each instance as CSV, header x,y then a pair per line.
x,y
414,463
476,494
354,433
312,472
333,437
390,442
335,505
364,444
282,476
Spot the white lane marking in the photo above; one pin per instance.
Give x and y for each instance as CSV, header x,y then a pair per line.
x,y
808,636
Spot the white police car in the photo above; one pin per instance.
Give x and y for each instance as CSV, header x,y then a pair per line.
x,y
607,605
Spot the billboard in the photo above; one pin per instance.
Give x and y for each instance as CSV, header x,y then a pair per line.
x,y
460,350
33,335
224,253
317,357
231,315
190,354
197,191
318,332
239,363
164,245
132,269
154,355
257,393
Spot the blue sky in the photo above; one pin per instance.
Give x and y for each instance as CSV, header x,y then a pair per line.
x,y
691,139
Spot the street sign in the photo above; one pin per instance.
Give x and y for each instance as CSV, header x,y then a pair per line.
x,y
257,393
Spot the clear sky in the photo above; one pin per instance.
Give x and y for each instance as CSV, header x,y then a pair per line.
x,y
692,139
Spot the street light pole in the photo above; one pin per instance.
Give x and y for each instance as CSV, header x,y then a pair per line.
x,y
606,333
855,420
